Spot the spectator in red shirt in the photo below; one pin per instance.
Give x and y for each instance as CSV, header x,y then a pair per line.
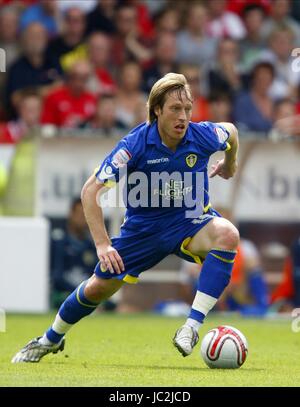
x,y
71,104
29,106
99,50
145,25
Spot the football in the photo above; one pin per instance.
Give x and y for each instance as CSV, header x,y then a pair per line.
x,y
224,347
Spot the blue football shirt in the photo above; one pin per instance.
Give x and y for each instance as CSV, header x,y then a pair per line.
x,y
163,186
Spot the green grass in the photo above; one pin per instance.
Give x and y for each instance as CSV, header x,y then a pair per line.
x,y
136,350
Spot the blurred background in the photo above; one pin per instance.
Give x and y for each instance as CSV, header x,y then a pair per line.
x,y
74,79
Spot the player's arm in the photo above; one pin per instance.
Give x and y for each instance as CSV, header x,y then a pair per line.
x,y
90,196
227,167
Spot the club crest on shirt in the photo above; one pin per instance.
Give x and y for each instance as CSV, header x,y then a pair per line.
x,y
191,160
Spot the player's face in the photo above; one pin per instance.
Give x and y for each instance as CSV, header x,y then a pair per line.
x,y
173,119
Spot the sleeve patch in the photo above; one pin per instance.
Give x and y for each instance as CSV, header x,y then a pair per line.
x,y
221,134
121,158
106,172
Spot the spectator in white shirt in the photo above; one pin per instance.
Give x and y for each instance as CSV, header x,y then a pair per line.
x,y
287,80
193,45
223,23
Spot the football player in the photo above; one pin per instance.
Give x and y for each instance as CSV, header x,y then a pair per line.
x,y
169,156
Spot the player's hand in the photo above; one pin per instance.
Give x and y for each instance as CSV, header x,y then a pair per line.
x,y
223,169
110,259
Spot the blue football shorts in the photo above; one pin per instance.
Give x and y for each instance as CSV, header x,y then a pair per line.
x,y
141,250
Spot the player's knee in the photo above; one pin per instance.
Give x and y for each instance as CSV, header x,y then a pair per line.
x,y
228,238
95,289
100,289
232,237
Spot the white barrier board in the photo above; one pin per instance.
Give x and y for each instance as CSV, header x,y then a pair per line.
x,y
24,275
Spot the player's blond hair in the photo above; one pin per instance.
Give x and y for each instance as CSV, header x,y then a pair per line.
x,y
171,82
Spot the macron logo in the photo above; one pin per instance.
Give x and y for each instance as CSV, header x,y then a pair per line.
x,y
158,160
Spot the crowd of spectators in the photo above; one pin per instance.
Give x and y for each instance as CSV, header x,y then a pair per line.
x,y
89,64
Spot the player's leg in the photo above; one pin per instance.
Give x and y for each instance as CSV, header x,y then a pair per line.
x,y
139,253
82,302
219,239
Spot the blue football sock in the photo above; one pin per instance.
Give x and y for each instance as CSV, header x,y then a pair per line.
x,y
74,308
214,277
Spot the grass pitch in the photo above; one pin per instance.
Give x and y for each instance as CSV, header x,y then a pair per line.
x,y
136,350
